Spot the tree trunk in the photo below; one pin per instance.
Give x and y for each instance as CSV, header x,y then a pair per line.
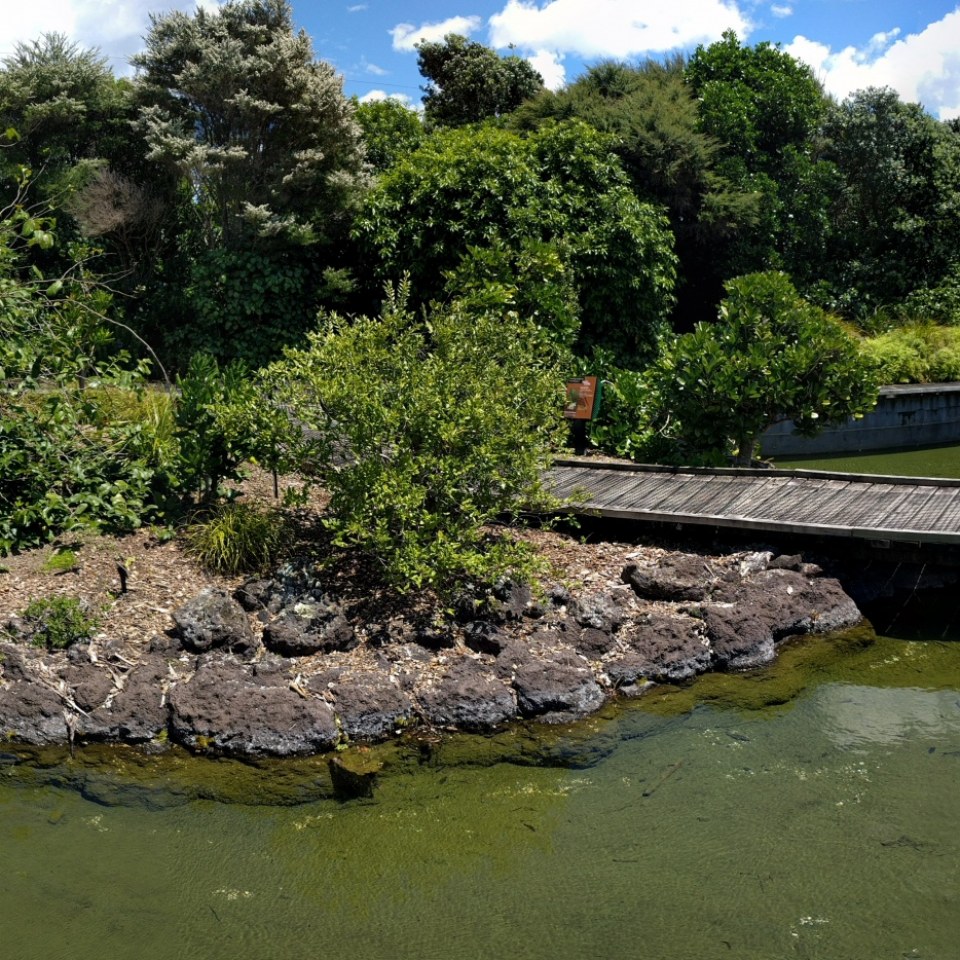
x,y
745,449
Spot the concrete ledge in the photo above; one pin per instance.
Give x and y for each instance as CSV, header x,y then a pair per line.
x,y
906,415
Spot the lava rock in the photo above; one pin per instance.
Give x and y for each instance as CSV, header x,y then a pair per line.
x,y
32,714
557,691
669,650
226,709
214,619
597,611
308,627
369,706
675,577
138,712
468,697
741,636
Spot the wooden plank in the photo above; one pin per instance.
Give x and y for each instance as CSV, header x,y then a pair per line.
x,y
833,505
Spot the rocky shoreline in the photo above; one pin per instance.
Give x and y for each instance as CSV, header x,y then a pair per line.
x,y
283,667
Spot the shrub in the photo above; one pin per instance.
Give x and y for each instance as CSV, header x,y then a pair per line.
x,y
915,353
58,622
429,427
238,538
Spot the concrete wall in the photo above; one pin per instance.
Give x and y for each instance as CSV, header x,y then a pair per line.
x,y
905,416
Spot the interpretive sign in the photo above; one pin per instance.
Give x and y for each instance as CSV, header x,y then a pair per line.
x,y
583,399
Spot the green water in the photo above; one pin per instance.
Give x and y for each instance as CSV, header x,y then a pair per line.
x,y
928,462
805,811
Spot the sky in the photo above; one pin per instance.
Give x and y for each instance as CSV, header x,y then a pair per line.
x,y
913,47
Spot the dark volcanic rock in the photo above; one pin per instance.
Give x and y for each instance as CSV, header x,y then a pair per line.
x,y
467,696
214,619
484,637
598,611
138,712
308,627
90,684
557,691
741,636
14,660
224,707
369,705
593,644
32,714
669,649
293,581
680,576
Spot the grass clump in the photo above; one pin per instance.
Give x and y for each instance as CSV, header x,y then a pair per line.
x,y
237,538
59,622
63,561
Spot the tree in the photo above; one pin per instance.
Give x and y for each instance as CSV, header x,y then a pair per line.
x,y
430,426
897,203
269,166
771,356
390,130
468,82
765,109
235,103
651,115
558,193
67,108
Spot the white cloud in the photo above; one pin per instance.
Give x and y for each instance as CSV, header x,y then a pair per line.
x,y
923,67
406,36
368,67
781,11
374,96
550,66
117,27
614,28
357,8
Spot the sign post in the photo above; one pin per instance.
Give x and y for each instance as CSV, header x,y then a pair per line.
x,y
582,404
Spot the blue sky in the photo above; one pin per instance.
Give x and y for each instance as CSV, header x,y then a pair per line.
x,y
913,47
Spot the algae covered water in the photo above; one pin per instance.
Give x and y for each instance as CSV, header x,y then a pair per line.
x,y
809,810
941,461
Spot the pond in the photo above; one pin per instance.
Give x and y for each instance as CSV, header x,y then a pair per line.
x,y
808,810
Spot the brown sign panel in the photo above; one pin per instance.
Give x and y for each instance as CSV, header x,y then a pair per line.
x,y
581,396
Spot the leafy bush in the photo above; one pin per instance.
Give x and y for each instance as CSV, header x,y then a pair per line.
x,y
58,622
222,419
238,538
770,356
429,427
915,353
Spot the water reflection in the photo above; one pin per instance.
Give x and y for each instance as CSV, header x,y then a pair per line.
x,y
858,715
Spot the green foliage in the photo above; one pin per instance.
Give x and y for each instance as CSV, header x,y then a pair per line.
x,y
765,109
651,114
915,353
557,193
59,622
235,103
771,356
939,303
429,427
468,82
390,130
897,212
65,462
62,561
223,419
238,537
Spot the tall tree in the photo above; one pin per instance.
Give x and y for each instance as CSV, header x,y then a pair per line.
x,y
897,206
468,82
390,130
269,164
651,114
485,202
765,109
235,103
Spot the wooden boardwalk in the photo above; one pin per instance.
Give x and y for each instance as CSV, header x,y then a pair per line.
x,y
905,509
